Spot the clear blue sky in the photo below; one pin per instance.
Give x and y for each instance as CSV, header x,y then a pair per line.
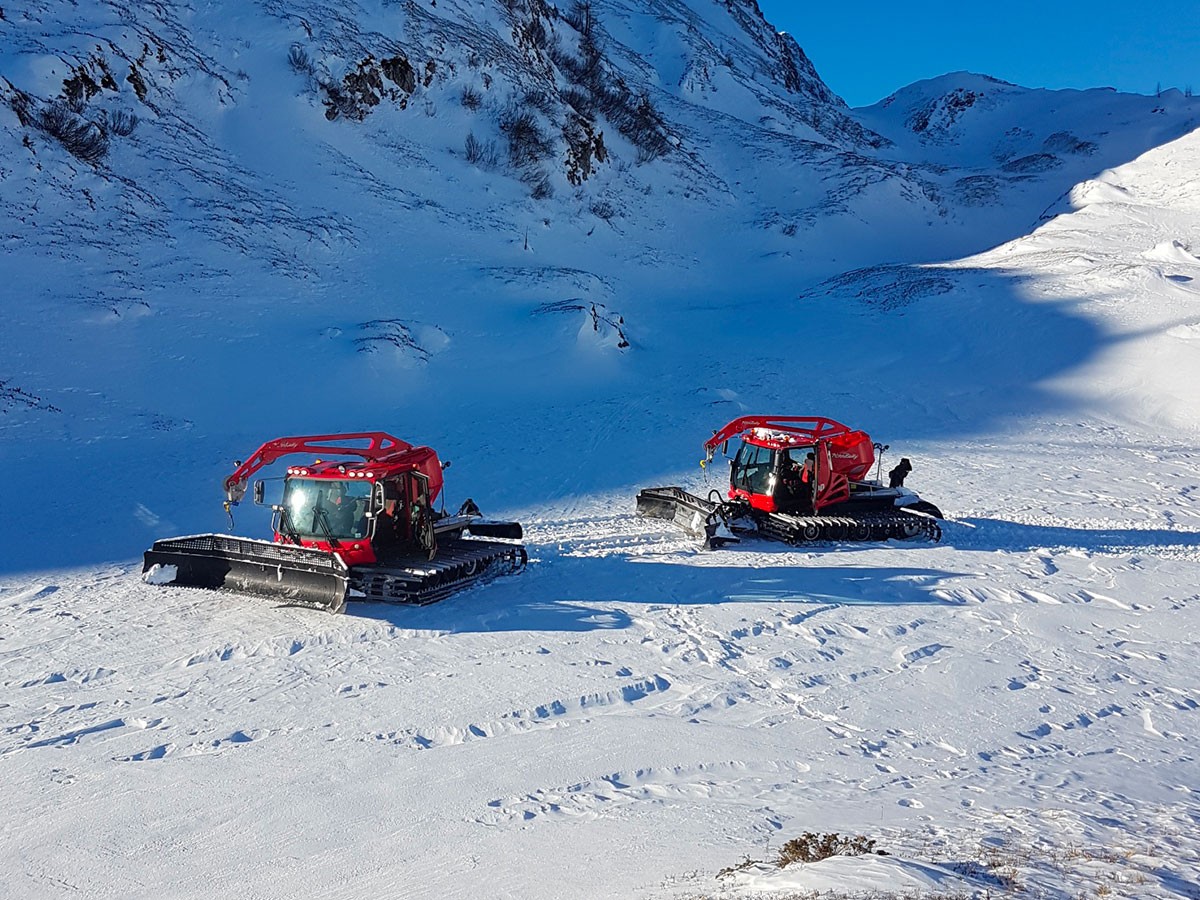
x,y
867,49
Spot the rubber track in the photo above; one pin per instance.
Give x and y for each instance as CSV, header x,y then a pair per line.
x,y
459,563
877,527
676,504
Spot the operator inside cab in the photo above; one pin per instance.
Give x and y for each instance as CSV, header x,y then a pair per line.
x,y
794,481
320,509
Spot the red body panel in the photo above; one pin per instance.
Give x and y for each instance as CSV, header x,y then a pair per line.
x,y
842,454
852,454
765,502
832,486
357,553
383,457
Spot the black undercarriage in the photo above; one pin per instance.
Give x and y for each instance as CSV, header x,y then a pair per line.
x,y
870,514
302,576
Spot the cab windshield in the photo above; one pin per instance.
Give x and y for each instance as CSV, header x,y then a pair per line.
x,y
761,470
321,508
752,469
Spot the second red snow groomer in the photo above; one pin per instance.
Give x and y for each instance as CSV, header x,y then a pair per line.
x,y
798,479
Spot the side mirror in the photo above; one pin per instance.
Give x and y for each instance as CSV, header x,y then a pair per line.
x,y
378,499
260,491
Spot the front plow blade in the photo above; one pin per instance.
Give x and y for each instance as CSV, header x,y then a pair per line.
x,y
295,576
698,517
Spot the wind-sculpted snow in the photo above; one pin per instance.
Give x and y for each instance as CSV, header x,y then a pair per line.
x,y
1024,686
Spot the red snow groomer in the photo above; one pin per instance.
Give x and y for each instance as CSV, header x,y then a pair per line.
x,y
798,479
362,523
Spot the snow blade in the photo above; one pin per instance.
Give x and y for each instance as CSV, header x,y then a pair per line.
x,y
295,576
492,529
698,517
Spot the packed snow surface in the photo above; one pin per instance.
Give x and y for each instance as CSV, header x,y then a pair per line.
x,y
1001,284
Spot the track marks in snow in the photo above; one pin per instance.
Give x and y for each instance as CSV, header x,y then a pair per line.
x,y
1082,720
44,732
71,737
360,689
32,595
605,534
343,633
238,652
905,658
1086,596
616,793
237,738
559,712
997,594
1171,699
689,640
75,675
34,735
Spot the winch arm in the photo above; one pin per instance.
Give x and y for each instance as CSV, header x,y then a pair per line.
x,y
379,445
814,427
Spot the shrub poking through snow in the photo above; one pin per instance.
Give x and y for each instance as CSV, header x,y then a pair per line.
x,y
471,98
84,140
599,89
585,148
481,153
13,397
812,847
120,122
540,185
527,142
604,321
299,60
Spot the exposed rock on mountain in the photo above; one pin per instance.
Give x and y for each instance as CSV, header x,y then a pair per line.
x,y
276,172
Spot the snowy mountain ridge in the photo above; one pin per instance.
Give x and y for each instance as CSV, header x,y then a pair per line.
x,y
393,197
275,153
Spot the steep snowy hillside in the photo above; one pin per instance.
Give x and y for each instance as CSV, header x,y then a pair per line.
x,y
996,147
1010,713
335,217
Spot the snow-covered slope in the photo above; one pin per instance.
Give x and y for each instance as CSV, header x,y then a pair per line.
x,y
318,274
997,281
